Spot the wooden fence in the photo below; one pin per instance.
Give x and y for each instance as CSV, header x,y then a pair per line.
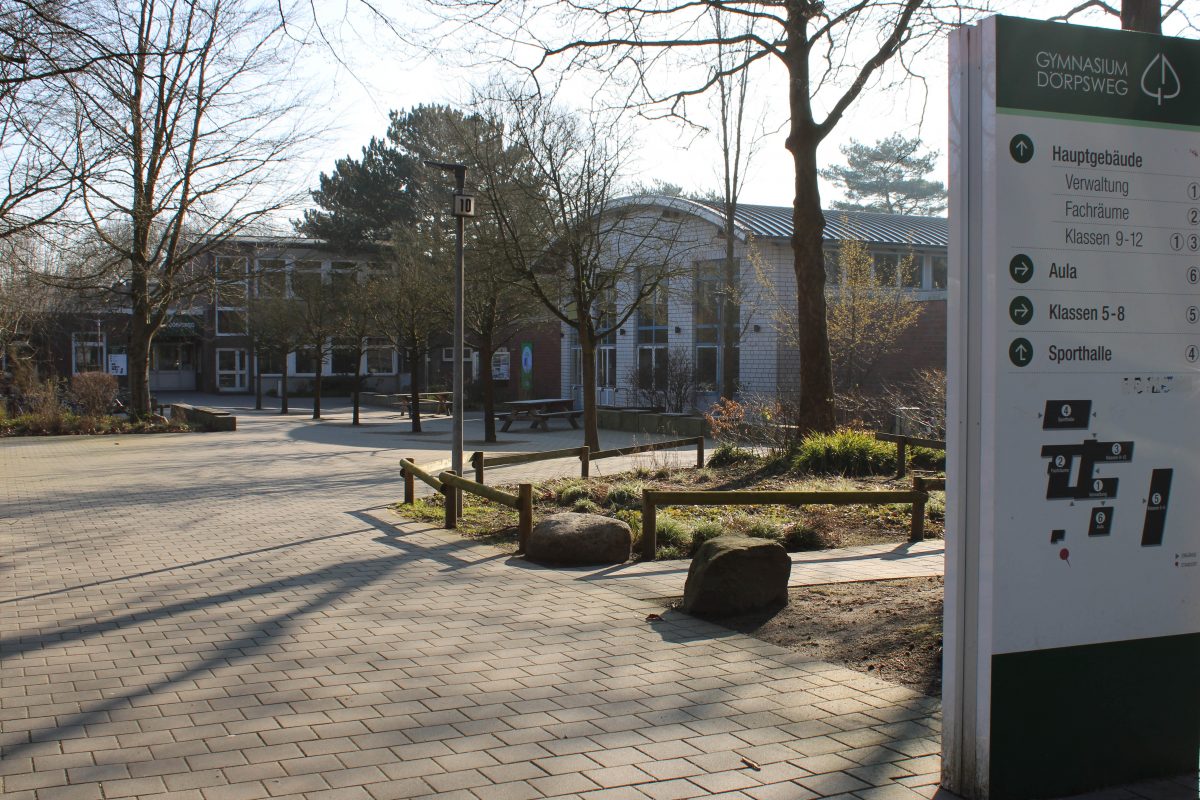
x,y
481,461
447,484
902,445
652,499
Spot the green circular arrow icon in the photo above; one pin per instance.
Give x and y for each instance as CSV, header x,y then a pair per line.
x,y
1020,310
1021,268
1021,148
1020,352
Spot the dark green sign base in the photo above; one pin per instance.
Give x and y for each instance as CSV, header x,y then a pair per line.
x,y
1073,719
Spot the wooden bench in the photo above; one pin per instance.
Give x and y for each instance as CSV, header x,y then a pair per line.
x,y
540,418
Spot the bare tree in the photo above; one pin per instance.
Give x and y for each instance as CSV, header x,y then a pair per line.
x,y
319,309
831,52
1146,16
184,129
589,261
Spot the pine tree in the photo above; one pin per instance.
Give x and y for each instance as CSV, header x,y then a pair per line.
x,y
888,176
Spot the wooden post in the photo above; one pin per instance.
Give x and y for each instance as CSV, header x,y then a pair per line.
x,y
700,453
408,482
524,514
585,461
450,497
649,534
917,533
901,458
477,461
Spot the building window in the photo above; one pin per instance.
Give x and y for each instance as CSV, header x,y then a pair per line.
x,y
88,351
652,341
272,277
231,282
380,357
342,362
938,272
231,369
709,324
895,269
271,362
306,361
231,322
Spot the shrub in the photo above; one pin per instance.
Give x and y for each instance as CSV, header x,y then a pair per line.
x,y
802,537
672,532
710,529
727,454
95,392
585,505
704,475
762,529
927,458
572,493
847,452
625,495
633,519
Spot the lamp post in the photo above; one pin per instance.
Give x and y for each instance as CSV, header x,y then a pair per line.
x,y
464,206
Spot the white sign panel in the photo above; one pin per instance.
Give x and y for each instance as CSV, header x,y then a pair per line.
x,y
118,364
1075,364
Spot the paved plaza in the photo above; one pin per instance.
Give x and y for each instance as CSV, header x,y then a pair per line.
x,y
239,615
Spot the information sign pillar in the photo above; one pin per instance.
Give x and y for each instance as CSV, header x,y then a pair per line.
x,y
1072,641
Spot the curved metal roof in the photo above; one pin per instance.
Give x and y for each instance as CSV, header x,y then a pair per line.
x,y
775,222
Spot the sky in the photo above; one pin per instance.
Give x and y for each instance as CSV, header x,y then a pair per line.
x,y
374,72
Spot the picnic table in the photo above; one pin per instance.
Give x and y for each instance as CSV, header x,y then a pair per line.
x,y
443,400
540,412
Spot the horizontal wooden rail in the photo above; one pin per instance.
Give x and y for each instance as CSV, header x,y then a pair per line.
x,y
409,470
522,501
480,460
467,485
902,445
652,499
670,444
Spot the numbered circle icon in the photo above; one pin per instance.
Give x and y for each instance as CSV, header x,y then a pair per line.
x,y
1192,354
1020,310
1193,314
1021,268
1156,499
1097,485
1101,517
1193,275
1065,411
1021,148
1060,461
1020,352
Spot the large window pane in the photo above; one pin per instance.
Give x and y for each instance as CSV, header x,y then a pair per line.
x,y
938,273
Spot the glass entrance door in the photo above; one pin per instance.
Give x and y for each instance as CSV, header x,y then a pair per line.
x,y
231,370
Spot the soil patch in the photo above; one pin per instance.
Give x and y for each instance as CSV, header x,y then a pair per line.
x,y
890,629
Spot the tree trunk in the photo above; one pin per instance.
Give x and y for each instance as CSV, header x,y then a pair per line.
x,y
486,351
283,387
587,359
730,332
138,367
320,373
357,387
414,385
1141,15
815,411
258,392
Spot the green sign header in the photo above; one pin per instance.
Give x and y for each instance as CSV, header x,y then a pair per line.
x,y
1071,69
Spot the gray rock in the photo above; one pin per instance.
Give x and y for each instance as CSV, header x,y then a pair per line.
x,y
736,574
574,538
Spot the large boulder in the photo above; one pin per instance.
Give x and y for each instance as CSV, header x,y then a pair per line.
x,y
573,538
736,574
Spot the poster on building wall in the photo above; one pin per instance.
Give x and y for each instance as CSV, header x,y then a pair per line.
x,y
526,369
118,364
500,365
